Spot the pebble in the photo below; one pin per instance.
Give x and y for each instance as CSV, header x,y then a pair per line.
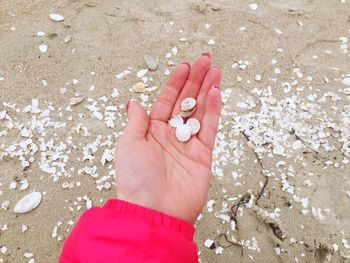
x,y
152,64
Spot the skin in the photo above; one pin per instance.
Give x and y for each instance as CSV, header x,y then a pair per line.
x,y
154,169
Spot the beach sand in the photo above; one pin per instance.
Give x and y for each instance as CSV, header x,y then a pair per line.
x,y
285,119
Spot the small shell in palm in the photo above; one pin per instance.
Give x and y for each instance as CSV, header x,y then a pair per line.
x,y
188,104
183,133
176,121
194,125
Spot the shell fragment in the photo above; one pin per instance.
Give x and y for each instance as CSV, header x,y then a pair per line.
x,y
183,133
28,203
56,17
176,121
194,125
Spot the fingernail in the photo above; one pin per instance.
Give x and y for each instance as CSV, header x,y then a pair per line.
x,y
186,63
206,53
127,106
215,87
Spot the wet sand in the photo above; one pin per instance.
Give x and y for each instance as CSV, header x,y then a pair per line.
x,y
281,188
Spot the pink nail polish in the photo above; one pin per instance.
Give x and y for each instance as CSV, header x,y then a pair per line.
x,y
215,87
186,63
206,53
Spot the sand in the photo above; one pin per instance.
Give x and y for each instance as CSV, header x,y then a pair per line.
x,y
286,102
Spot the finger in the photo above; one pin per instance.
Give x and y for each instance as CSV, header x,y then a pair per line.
x,y
212,78
138,121
163,107
195,80
210,122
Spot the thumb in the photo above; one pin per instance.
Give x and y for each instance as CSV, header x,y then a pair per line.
x,y
138,120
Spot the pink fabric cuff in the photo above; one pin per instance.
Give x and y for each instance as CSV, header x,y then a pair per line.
x,y
152,216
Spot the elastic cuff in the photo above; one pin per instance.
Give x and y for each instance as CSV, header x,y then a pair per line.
x,y
152,216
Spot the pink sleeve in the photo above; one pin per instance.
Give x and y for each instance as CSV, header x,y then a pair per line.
x,y
125,232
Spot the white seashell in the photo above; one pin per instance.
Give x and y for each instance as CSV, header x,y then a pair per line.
x,y
188,104
76,100
183,133
194,125
40,33
43,48
56,17
176,121
28,203
67,39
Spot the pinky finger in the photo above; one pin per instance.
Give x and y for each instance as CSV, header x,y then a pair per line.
x,y
210,121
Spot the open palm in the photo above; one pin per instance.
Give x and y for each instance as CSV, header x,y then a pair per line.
x,y
154,169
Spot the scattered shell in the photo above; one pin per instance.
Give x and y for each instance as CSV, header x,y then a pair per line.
x,y
176,121
40,33
139,87
174,50
43,48
65,185
211,42
56,17
346,81
194,125
183,133
253,6
76,100
188,104
67,39
24,228
152,64
28,203
141,73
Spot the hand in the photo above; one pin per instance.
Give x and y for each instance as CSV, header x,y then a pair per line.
x,y
153,168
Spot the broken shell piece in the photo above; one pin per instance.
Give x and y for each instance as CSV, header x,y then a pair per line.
x,y
28,203
65,185
188,104
194,125
67,39
186,114
76,100
183,133
56,17
176,121
139,87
